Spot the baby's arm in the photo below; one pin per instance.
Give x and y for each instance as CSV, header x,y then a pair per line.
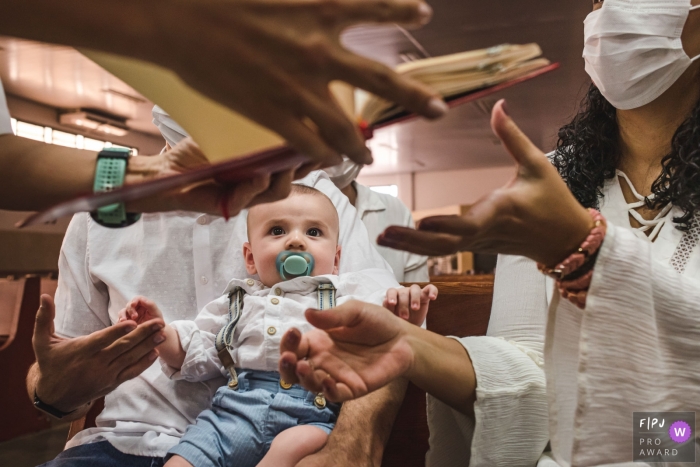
x,y
411,303
141,309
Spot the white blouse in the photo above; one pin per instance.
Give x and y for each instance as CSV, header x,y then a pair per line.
x,y
633,348
268,312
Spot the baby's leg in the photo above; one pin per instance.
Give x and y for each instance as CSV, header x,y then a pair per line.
x,y
294,444
177,461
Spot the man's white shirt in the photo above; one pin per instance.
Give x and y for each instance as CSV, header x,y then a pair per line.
x,y
181,261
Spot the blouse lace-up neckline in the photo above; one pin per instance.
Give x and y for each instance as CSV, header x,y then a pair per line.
x,y
655,224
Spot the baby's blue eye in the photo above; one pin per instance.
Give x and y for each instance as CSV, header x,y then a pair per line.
x,y
313,232
277,231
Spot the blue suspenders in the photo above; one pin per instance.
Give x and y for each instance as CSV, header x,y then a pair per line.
x,y
224,338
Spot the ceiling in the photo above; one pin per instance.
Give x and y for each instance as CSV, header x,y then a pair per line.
x,y
62,78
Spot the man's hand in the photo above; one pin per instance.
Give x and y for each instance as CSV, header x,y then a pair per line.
x,y
411,303
272,60
208,197
73,372
363,348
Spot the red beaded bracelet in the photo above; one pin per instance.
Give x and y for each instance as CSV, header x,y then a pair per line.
x,y
572,286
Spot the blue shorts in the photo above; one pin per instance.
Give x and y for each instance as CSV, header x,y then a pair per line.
x,y
239,428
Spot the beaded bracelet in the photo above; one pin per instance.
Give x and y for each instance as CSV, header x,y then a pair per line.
x,y
574,274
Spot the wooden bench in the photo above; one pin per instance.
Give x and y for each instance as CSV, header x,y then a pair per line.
x,y
462,309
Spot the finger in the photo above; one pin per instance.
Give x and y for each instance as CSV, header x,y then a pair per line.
x,y
287,367
186,155
391,299
415,295
307,377
384,82
402,310
335,126
123,315
135,353
336,392
305,170
144,333
305,140
279,188
429,292
103,338
137,368
292,341
456,225
243,194
422,243
336,317
43,324
525,153
407,12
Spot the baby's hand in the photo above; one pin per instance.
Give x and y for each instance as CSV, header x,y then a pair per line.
x,y
140,309
411,303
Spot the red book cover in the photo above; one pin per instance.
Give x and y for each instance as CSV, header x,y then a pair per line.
x,y
270,161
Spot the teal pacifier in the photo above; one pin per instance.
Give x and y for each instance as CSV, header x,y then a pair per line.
x,y
293,264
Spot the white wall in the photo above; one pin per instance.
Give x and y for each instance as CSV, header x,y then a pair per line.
x,y
429,190
446,188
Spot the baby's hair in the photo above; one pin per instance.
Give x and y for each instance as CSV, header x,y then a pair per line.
x,y
298,189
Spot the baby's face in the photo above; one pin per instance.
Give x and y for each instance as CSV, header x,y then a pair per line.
x,y
301,222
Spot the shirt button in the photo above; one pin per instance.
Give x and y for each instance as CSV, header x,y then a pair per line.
x,y
250,282
203,279
202,220
278,291
271,330
274,301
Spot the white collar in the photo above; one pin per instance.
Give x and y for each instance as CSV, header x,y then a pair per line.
x,y
367,200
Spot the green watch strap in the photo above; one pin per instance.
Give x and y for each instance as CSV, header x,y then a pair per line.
x,y
110,173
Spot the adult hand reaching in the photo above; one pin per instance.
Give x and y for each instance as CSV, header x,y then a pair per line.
x,y
534,215
363,348
208,197
271,60
70,373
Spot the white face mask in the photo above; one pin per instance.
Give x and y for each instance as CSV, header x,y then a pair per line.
x,y
633,49
344,173
171,131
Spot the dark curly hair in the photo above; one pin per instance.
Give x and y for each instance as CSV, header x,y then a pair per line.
x,y
588,153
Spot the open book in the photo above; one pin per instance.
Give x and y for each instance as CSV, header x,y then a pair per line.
x,y
240,149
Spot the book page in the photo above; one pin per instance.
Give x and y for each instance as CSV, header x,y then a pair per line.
x,y
220,132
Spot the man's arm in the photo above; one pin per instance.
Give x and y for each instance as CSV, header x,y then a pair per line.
x,y
35,176
362,430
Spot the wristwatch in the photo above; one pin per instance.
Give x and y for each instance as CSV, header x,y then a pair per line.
x,y
53,411
110,172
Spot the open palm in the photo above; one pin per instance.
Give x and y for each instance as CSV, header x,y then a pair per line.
x,y
358,348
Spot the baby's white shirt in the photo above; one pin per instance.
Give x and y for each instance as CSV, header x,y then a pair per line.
x,y
268,312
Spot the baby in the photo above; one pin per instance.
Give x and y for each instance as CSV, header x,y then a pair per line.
x,y
259,419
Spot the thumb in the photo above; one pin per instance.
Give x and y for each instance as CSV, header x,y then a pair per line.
x,y
343,315
43,326
525,153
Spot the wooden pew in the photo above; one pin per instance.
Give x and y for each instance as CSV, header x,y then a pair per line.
x,y
462,309
17,355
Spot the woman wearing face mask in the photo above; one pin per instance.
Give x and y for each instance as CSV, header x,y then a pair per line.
x,y
378,211
622,323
